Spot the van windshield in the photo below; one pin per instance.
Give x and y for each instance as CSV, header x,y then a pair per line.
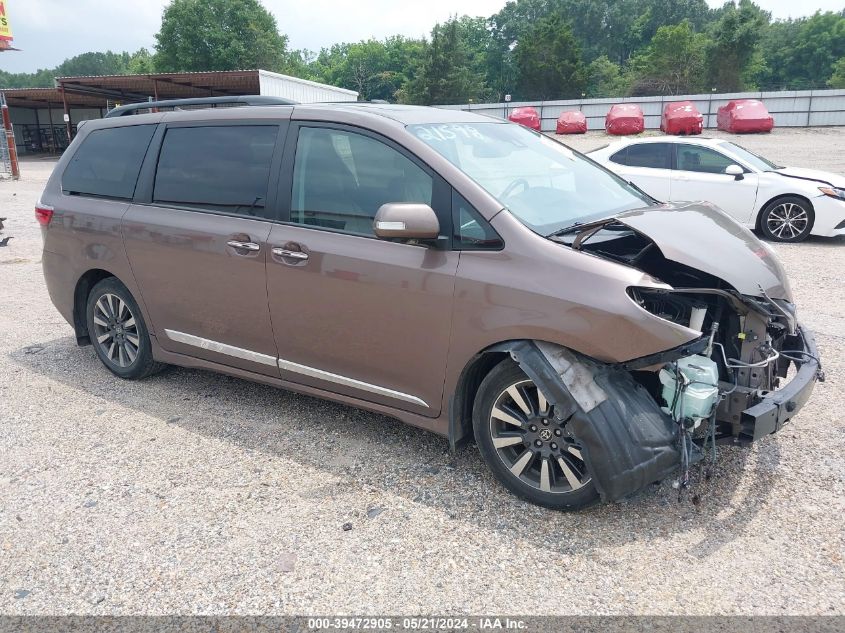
x,y
545,184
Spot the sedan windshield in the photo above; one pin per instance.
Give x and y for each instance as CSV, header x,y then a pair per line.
x,y
749,157
545,184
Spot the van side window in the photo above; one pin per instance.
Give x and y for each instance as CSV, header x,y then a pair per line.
x,y
219,168
340,179
108,162
472,232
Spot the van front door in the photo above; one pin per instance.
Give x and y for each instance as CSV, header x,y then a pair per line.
x,y
353,314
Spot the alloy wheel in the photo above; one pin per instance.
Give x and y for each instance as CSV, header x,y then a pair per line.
x,y
536,447
787,221
116,330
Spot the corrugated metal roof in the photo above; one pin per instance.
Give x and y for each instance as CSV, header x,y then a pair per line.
x,y
101,90
133,88
44,97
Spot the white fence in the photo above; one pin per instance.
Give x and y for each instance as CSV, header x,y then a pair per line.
x,y
794,108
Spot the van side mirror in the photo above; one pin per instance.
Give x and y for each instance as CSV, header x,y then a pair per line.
x,y
736,171
406,221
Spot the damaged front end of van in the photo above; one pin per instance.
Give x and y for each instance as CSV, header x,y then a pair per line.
x,y
747,369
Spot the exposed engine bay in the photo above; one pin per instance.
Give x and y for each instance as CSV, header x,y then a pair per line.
x,y
727,386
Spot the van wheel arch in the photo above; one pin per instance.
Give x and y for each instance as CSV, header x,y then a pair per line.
x,y
80,298
463,398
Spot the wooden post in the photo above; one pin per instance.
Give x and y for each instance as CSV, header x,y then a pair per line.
x,y
810,108
38,130
155,92
67,116
10,139
52,128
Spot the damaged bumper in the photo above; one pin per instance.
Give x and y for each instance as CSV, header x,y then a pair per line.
x,y
777,407
626,440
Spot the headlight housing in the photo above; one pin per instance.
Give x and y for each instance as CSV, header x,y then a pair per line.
x,y
833,192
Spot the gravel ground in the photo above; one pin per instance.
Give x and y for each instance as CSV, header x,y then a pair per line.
x,y
195,493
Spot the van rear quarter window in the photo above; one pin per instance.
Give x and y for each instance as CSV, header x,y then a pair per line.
x,y
220,168
107,162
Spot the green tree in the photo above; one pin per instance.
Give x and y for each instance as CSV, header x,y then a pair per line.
x,y
612,28
837,79
774,48
673,63
801,53
604,78
42,78
733,56
93,63
549,61
376,69
446,74
302,63
200,35
645,18
107,63
140,63
474,33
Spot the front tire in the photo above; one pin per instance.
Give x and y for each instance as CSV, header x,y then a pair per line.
x,y
788,219
530,452
118,332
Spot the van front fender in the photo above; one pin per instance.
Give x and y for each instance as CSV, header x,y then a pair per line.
x,y
626,440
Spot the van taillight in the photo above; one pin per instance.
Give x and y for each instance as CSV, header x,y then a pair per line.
x,y
43,214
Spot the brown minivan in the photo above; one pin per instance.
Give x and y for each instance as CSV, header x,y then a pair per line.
x,y
460,273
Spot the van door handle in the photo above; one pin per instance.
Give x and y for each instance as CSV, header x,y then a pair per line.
x,y
285,253
247,246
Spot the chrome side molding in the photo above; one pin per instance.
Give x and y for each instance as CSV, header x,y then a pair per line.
x,y
221,348
305,370
286,365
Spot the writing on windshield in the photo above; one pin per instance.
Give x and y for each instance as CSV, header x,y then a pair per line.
x,y
546,185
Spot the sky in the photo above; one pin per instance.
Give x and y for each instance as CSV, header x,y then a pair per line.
x,y
49,31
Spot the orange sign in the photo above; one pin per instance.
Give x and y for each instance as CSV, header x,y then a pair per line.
x,y
5,27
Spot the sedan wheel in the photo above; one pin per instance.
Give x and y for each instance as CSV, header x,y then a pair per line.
x,y
530,451
787,220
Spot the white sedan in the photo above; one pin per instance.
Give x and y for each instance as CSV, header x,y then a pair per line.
x,y
786,204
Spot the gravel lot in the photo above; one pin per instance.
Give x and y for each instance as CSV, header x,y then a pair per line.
x,y
195,493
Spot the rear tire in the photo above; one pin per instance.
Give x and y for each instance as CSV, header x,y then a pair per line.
x,y
787,219
530,452
118,332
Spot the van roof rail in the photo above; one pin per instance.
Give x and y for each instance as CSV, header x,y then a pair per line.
x,y
246,100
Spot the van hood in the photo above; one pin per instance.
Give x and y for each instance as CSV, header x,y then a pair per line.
x,y
702,237
813,175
